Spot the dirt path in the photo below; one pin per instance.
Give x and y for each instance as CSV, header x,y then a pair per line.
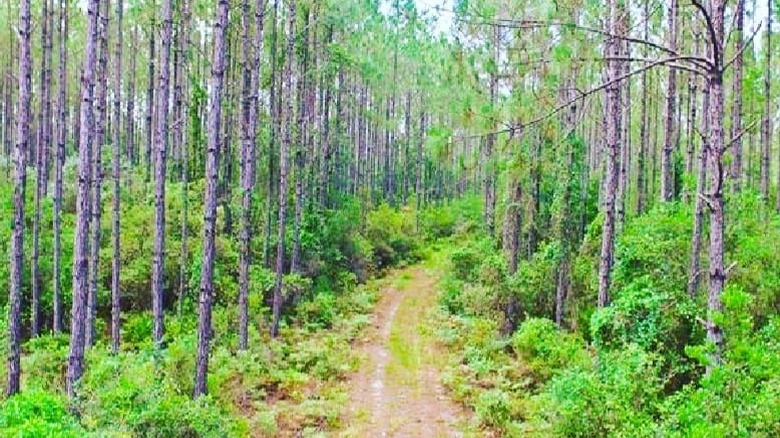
x,y
397,391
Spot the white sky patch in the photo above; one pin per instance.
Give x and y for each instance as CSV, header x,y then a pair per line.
x,y
442,19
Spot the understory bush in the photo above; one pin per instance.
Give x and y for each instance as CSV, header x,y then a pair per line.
x,y
637,367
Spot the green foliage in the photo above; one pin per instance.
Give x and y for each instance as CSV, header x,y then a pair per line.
x,y
545,349
37,413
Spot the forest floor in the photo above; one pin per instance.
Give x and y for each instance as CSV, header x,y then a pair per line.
x,y
397,391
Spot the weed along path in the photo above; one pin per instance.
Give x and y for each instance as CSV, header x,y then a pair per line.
x,y
397,390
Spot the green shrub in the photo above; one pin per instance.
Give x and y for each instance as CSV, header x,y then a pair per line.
x,y
37,413
546,350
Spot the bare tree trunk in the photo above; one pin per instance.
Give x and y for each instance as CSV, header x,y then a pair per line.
x,y
300,141
251,61
97,174
490,191
62,131
325,139
115,262
644,132
736,109
160,150
693,102
20,175
41,163
46,122
43,123
184,170
766,132
283,167
210,199
80,258
701,182
611,149
130,143
274,112
418,188
715,197
667,166
150,105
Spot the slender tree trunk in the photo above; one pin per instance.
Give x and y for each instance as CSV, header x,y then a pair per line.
x,y
20,175
274,112
300,141
210,199
490,194
667,165
97,174
43,123
644,132
693,101
130,143
46,121
115,262
62,132
283,167
766,132
251,62
611,149
701,182
160,150
80,258
150,103
736,108
715,197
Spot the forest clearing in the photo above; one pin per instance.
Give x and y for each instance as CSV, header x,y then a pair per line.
x,y
398,218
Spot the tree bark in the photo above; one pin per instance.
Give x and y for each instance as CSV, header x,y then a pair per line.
x,y
115,230
766,131
667,165
210,199
736,108
80,258
20,175
97,174
274,112
251,61
611,150
150,105
698,215
62,132
717,269
283,167
160,150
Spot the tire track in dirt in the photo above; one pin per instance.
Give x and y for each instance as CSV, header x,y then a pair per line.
x,y
397,390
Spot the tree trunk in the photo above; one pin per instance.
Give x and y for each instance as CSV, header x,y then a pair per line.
x,y
736,108
487,152
132,155
283,167
667,165
20,175
766,132
274,112
611,150
150,106
251,61
97,174
62,132
715,198
701,182
115,262
210,199
160,150
300,141
80,258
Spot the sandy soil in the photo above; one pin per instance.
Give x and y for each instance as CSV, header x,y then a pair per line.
x,y
397,391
